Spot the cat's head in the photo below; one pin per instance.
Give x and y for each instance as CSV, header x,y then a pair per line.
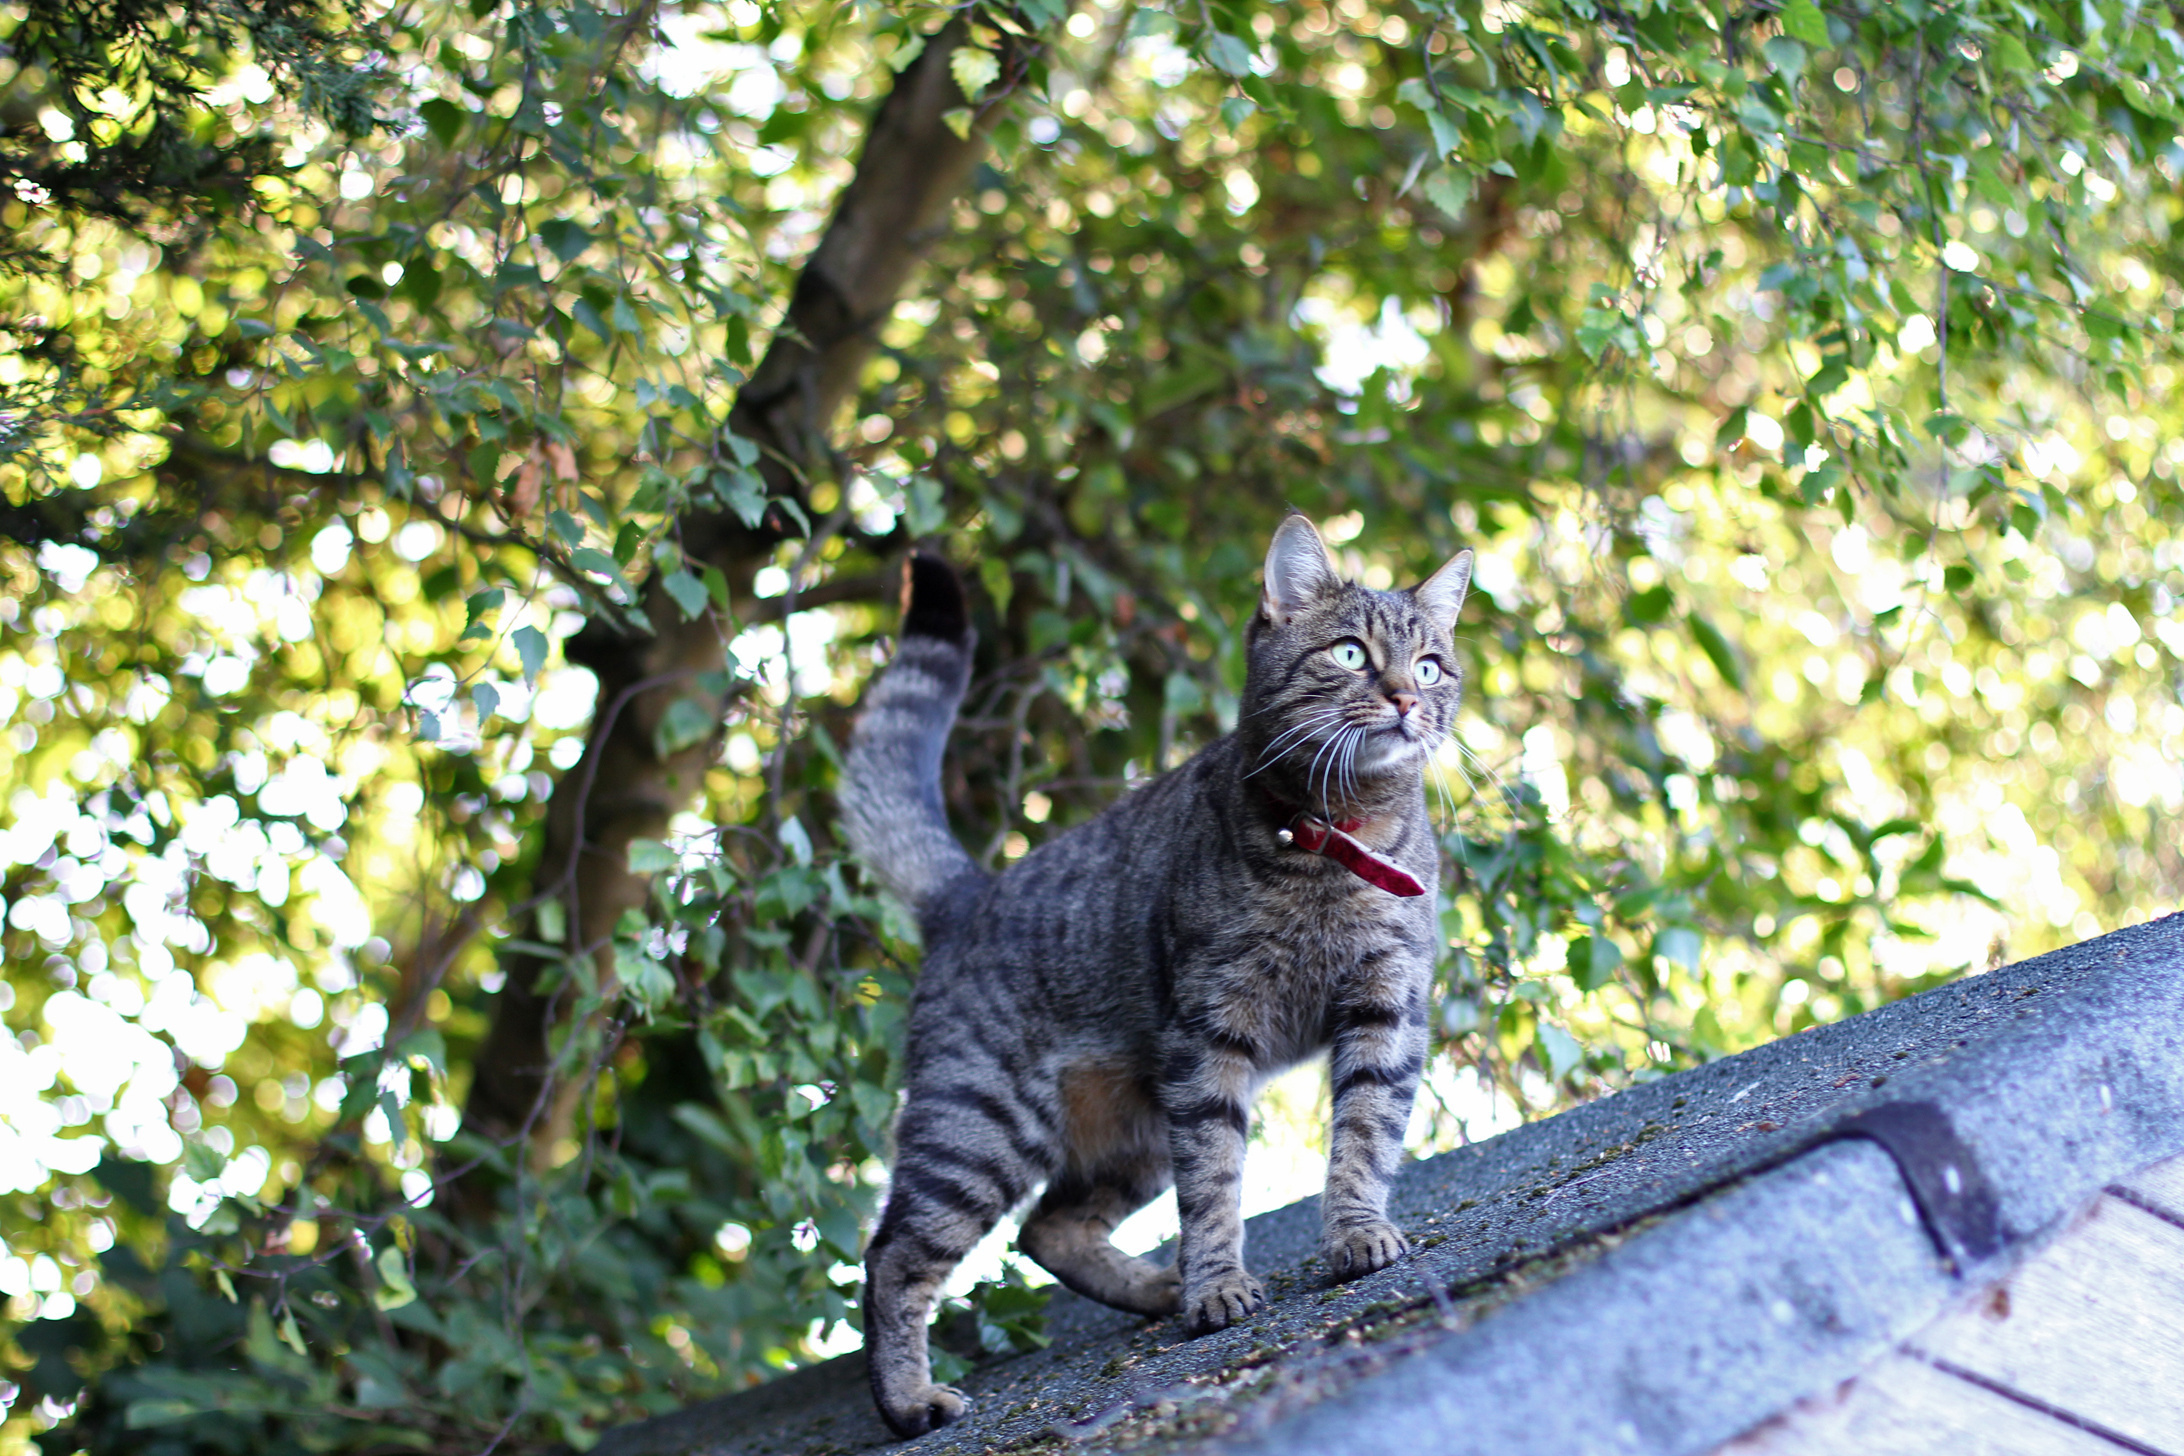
x,y
1349,688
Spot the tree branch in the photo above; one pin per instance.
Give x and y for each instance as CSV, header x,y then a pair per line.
x,y
912,168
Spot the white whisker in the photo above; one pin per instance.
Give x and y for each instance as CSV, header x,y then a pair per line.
x,y
1440,781
1274,751
1324,716
1344,758
1508,795
1283,745
1311,773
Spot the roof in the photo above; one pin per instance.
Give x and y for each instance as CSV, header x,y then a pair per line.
x,y
1657,1271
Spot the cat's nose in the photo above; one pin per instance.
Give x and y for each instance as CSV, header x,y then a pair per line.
x,y
1405,703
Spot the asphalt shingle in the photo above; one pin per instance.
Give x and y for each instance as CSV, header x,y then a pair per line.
x,y
1653,1272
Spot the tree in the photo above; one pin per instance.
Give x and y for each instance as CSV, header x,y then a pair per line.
x,y
428,891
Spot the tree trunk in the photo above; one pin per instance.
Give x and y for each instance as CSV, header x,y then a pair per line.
x,y
912,168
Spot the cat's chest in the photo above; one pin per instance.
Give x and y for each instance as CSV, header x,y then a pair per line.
x,y
1301,953
1326,916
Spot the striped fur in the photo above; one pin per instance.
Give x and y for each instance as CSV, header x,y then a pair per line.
x,y
1097,1020
892,809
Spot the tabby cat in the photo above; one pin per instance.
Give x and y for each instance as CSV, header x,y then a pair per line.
x,y
1099,1017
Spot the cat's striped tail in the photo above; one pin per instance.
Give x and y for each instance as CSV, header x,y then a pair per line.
x,y
891,806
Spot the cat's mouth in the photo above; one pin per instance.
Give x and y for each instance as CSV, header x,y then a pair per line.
x,y
1353,751
1390,743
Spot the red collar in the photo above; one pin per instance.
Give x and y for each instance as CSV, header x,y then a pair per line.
x,y
1335,841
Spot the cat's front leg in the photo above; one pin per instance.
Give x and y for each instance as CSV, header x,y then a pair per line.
x,y
1207,1099
1379,1049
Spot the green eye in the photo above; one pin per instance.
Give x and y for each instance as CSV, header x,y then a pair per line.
x,y
1350,654
1429,672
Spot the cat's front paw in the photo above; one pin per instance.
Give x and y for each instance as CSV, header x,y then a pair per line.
x,y
1361,1249
1222,1301
926,1410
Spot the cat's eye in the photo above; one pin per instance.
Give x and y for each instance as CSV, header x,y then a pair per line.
x,y
1428,671
1349,653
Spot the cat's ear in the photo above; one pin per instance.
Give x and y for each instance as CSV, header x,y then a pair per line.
x,y
1298,570
1441,595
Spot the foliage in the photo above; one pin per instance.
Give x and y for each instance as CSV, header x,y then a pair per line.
x,y
1800,372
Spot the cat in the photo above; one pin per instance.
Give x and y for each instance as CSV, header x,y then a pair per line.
x,y
1098,1017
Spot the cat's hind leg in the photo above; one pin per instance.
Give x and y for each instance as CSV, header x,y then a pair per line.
x,y
1070,1232
964,1156
1117,1163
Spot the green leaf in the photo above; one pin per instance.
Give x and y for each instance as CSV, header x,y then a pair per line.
x,y
395,1289
1558,1051
146,1413
686,721
1732,427
1450,188
478,608
687,591
1957,578
993,574
1180,385
787,892
1785,56
1802,20
1447,140
784,126
2009,53
444,119
925,510
597,562
1227,53
425,1042
1649,606
586,314
744,493
486,698
1717,649
900,59
974,70
627,541
530,645
202,1161
647,982
363,1088
1834,372
565,239
130,1181
1593,961
420,283
1679,945
650,857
